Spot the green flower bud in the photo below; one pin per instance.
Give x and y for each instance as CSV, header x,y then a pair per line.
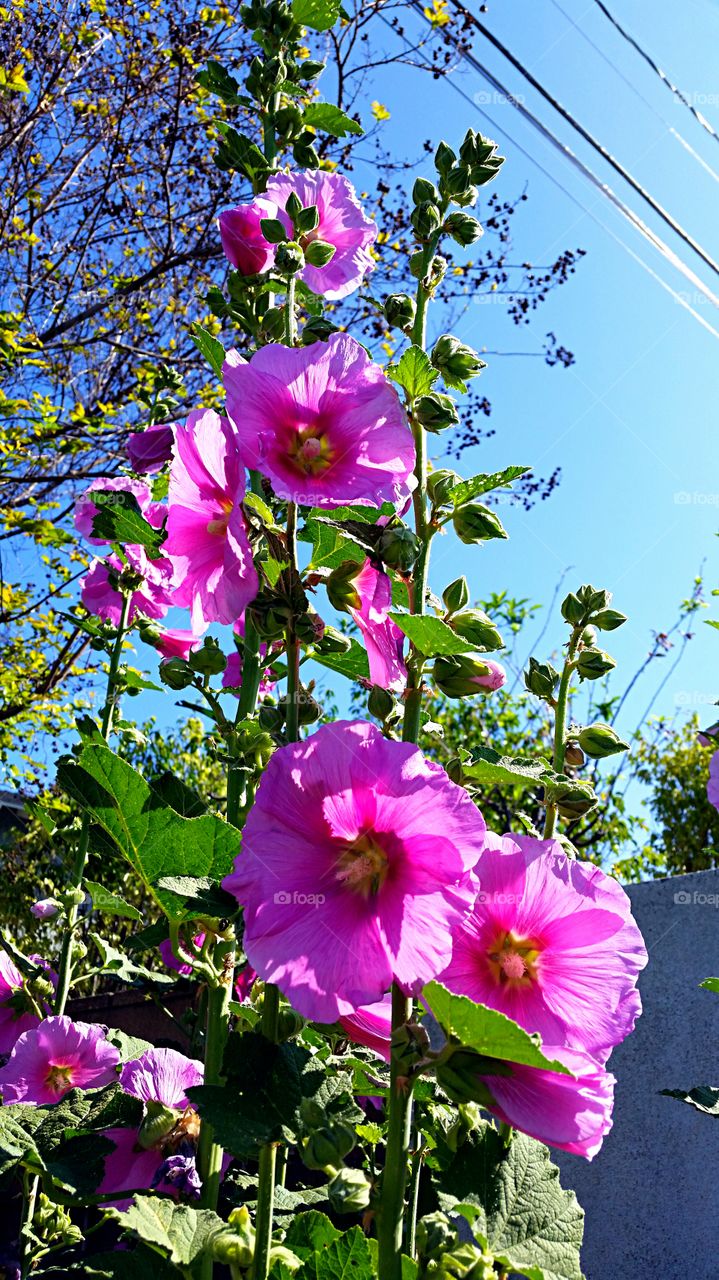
x,y
289,258
399,310
573,611
592,664
309,628
341,591
439,485
455,360
237,1246
572,798
307,220
594,599
416,264
305,155
158,1122
589,637
273,230
463,228
176,673
349,1191
289,1024
288,121
318,253
333,641
467,674
456,181
271,719
293,206
474,625
425,219
478,153
209,660
609,619
72,898
600,740
270,614
437,270
279,1253
423,190
78,950
456,595
399,547
444,158
380,703
541,678
435,1235
435,411
476,523
273,322
308,711
328,1146
317,329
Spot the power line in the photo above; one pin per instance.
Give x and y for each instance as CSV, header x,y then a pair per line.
x,y
586,135
658,71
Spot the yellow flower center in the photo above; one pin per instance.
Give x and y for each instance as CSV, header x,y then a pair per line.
x,y
59,1078
219,525
311,451
363,866
513,961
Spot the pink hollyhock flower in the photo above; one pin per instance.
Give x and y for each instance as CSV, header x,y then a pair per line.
x,y
163,1076
383,639
573,1113
243,243
322,423
150,449
56,1056
232,675
15,1015
355,869
86,510
100,595
713,783
170,960
371,1026
176,642
244,982
206,532
551,943
45,909
495,678
342,223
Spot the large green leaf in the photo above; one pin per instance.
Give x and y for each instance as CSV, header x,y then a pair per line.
x,y
182,1233
349,1257
466,490
703,1097
486,1030
127,811
492,769
331,544
414,372
65,1139
320,15
119,519
330,119
430,635
524,1212
353,664
310,1232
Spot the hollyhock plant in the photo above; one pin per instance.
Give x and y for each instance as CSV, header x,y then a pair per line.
x,y
232,675
16,1015
206,532
56,1056
551,943
355,869
322,423
152,598
243,243
86,509
149,450
382,637
342,223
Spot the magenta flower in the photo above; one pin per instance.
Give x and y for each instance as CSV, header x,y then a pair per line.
x,y
243,243
232,675
495,678
163,1076
382,637
573,1113
56,1056
206,532
713,783
86,510
342,223
45,908
371,1026
551,943
176,642
322,423
244,982
170,960
355,869
15,1014
150,449
100,594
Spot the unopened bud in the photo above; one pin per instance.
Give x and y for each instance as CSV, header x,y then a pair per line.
x,y
459,1072
317,329
467,674
463,228
341,590
327,1147
289,258
592,664
541,678
399,311
273,230
399,547
573,611
474,625
436,412
455,358
176,673
456,595
209,660
289,1024
333,641
309,628
158,1122
307,220
476,523
349,1191
573,799
436,1235
380,703
589,637
236,1247
600,740
594,599
318,253
439,485
425,219
423,189
444,158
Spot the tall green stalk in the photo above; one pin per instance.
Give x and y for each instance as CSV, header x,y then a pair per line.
x,y
560,728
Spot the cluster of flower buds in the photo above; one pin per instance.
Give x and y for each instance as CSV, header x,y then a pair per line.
x,y
456,362
459,176
589,606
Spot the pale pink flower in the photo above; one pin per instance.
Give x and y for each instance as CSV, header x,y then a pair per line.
x,y
342,223
86,510
56,1056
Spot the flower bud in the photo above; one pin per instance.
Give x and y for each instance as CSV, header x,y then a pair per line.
x,y
237,1246
572,798
609,619
307,220
341,591
423,190
150,449
158,1122
464,675
439,485
308,711
399,547
309,628
78,950
573,611
455,360
293,206
541,678
399,310
589,637
592,664
425,219
380,703
317,329
474,625
289,1024
273,323
73,897
594,599
349,1191
176,673
271,719
273,230
456,182
328,1146
573,755
289,258
476,523
45,908
436,1235
600,740
444,158
436,412
319,252
209,660
463,228
456,595
333,641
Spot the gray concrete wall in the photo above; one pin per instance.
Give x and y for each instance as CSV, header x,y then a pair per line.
x,y
651,1196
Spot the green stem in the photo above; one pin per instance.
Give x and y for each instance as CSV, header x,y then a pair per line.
x,y
414,1181
64,969
390,1227
560,729
31,1185
210,1153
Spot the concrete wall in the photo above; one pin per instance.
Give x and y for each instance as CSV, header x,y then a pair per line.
x,y
651,1196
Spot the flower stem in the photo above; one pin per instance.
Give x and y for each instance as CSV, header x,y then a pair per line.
x,y
415,1176
210,1153
560,729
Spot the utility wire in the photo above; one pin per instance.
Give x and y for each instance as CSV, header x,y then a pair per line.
x,y
658,71
584,133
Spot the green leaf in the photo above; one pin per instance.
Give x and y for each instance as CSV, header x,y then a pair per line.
x,y
320,15
238,153
330,119
209,347
710,984
118,519
347,1256
353,664
524,1212
182,1233
127,811
429,635
486,1030
200,895
219,81
414,372
118,965
123,1264
129,1047
257,506
309,1233
110,904
466,490
492,769
330,545
176,793
703,1097
65,1139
